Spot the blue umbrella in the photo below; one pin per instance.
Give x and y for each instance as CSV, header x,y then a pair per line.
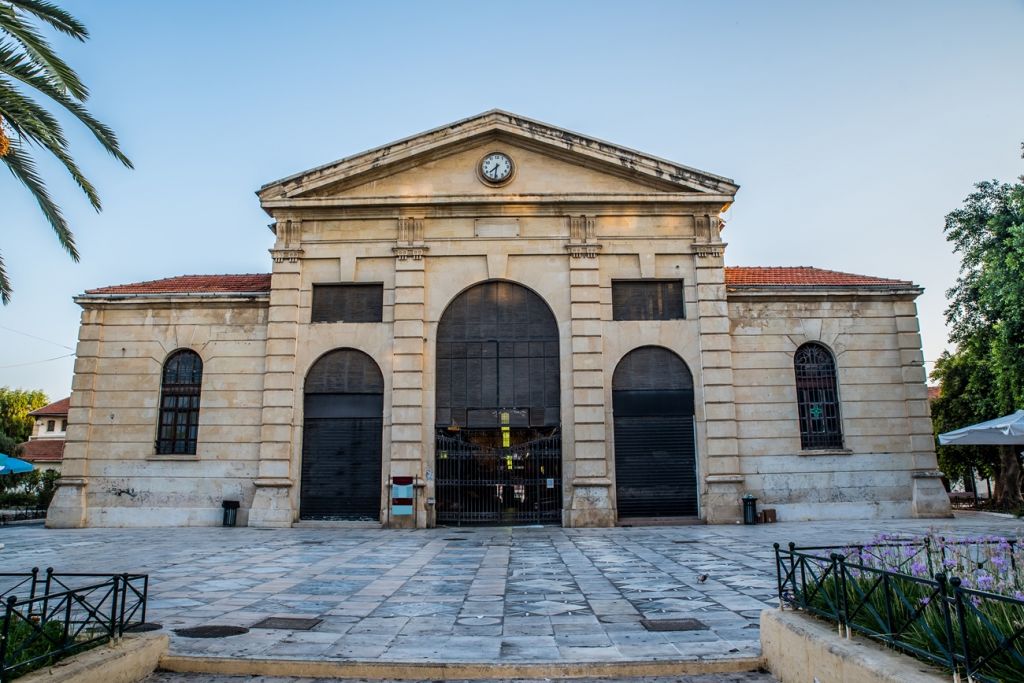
x,y
9,465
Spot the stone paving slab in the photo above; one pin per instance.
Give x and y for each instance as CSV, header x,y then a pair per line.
x,y
495,594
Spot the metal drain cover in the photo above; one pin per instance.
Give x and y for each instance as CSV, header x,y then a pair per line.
x,y
288,623
144,627
674,625
211,631
455,539
686,541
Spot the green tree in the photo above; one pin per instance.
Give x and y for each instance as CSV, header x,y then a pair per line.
x,y
966,399
15,405
29,68
986,309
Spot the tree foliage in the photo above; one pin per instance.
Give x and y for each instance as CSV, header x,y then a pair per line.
x,y
15,405
29,71
985,377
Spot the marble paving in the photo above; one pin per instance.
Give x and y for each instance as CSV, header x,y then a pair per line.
x,y
495,594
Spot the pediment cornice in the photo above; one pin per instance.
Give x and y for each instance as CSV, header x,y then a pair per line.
x,y
661,175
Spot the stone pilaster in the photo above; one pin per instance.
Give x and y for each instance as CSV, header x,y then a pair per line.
x,y
590,503
407,419
272,505
723,481
69,507
928,495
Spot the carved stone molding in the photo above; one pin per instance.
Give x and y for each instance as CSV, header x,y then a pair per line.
x,y
707,235
405,253
583,250
583,237
289,255
288,231
709,249
410,243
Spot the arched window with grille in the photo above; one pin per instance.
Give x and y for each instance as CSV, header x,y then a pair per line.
x,y
179,404
817,397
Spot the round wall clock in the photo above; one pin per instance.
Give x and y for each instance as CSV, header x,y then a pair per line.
x,y
496,168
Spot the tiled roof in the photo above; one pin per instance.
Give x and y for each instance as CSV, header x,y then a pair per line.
x,y
193,284
934,393
58,408
803,276
43,450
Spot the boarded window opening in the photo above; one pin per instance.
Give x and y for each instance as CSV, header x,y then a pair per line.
x,y
648,300
348,303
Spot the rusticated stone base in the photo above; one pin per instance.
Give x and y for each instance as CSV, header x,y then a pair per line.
x,y
67,509
272,505
591,505
929,495
722,498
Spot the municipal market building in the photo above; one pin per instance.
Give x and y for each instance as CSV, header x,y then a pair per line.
x,y
498,322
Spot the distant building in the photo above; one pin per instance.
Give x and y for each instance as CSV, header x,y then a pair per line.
x,y
45,447
499,321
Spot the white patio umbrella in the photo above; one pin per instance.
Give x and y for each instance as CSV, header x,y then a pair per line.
x,y
1002,431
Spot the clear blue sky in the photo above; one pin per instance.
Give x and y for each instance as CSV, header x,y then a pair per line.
x,y
853,128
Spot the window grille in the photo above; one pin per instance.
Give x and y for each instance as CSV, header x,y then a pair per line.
x,y
348,303
51,425
817,397
179,404
647,300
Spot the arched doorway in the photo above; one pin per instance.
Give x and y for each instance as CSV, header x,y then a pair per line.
x,y
341,438
498,445
655,453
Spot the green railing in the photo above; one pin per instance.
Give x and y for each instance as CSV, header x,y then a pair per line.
x,y
971,632
62,614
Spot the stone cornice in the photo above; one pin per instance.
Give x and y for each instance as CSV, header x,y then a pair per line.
x,y
496,123
232,298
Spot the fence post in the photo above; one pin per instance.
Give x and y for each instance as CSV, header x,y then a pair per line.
x,y
887,597
68,596
778,575
114,594
4,635
947,621
124,602
32,589
842,604
961,617
799,594
145,596
46,594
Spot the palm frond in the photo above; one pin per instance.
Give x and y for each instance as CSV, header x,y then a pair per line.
x,y
39,51
14,64
21,165
54,16
35,125
5,284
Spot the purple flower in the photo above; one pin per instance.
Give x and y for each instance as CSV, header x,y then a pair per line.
x,y
925,600
984,581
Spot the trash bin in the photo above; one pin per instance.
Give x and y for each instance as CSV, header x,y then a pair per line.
x,y
230,512
749,509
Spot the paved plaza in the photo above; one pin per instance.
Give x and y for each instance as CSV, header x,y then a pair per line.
x,y
475,595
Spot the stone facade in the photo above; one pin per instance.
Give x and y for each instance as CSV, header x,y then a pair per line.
x,y
419,219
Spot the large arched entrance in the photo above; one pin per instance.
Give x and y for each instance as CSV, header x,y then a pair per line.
x,y
341,438
655,453
498,446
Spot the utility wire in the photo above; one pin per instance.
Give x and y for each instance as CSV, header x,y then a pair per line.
x,y
32,336
36,362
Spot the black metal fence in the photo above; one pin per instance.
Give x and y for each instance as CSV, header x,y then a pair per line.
x,y
56,615
972,632
21,514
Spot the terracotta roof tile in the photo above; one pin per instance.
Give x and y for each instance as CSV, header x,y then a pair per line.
x,y
43,450
189,284
56,408
803,276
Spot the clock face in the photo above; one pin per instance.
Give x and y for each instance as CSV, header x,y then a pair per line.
x,y
496,167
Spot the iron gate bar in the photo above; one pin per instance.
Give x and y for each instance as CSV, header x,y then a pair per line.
x,y
481,483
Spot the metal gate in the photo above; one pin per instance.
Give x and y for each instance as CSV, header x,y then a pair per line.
x,y
655,454
481,481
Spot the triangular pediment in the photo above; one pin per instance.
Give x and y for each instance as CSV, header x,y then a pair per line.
x,y
444,161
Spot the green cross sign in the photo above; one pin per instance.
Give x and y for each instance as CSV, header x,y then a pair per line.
x,y
816,412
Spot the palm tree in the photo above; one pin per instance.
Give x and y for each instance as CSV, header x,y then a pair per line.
x,y
28,65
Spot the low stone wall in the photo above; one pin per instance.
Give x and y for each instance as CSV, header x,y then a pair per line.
x,y
127,661
798,648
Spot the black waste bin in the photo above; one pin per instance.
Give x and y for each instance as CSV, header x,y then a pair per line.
x,y
749,509
230,512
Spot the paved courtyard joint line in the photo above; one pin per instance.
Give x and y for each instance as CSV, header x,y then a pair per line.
x,y
495,595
